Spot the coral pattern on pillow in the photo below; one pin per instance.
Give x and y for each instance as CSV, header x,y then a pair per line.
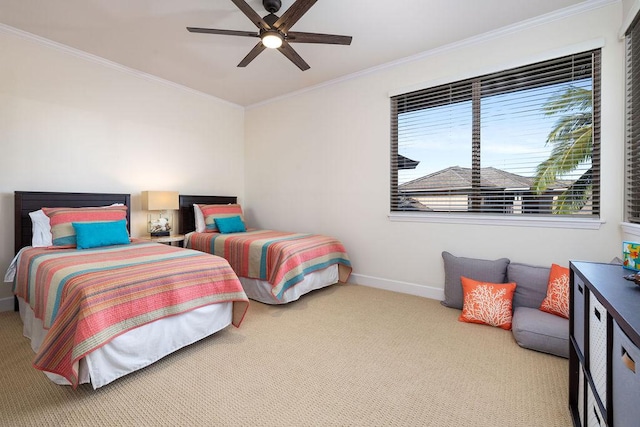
x,y
557,299
487,303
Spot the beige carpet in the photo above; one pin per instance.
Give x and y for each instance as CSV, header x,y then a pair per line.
x,y
344,355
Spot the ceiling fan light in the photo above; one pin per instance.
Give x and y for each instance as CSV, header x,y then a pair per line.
x,y
271,39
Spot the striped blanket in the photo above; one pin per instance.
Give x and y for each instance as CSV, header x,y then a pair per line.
x,y
85,298
282,259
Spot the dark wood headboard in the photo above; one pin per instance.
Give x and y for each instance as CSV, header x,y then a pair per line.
x,y
29,201
187,217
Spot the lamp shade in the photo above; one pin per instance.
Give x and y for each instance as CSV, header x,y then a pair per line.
x,y
159,200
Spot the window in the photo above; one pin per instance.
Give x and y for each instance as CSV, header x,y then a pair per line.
x,y
524,142
632,192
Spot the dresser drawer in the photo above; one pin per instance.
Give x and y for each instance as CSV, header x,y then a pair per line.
x,y
579,291
625,379
593,414
597,364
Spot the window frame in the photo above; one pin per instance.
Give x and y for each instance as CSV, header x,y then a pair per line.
x,y
592,221
632,128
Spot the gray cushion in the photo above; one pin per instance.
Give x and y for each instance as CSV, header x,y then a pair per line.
x,y
531,284
477,269
540,331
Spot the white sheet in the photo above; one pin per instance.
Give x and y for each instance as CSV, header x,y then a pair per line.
x,y
260,290
10,274
139,347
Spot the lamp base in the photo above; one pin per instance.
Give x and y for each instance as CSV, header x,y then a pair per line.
x,y
160,233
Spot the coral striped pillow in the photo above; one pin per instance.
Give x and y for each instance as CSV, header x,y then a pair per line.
x,y
62,218
211,212
557,299
487,303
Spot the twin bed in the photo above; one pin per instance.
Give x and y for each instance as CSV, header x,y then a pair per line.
x,y
98,313
274,267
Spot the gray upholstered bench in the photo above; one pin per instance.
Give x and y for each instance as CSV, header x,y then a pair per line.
x,y
532,328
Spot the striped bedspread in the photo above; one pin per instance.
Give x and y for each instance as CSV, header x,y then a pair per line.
x,y
282,259
85,298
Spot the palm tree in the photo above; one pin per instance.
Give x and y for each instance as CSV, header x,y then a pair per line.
x,y
572,141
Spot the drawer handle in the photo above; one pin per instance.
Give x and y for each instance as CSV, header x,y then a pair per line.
x,y
597,313
628,361
596,415
580,289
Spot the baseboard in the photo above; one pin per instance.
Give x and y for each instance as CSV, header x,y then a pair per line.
x,y
397,286
6,304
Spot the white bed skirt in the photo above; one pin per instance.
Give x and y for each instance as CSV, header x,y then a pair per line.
x,y
260,290
137,348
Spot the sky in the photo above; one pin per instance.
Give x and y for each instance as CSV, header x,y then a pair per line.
x,y
514,132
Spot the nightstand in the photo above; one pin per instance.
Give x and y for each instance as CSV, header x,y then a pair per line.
x,y
167,240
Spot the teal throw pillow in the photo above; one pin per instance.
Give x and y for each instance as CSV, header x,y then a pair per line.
x,y
97,234
232,224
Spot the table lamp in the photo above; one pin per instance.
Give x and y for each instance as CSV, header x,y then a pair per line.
x,y
159,225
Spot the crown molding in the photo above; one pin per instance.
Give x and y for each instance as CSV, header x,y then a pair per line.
x,y
529,23
501,32
107,63
494,68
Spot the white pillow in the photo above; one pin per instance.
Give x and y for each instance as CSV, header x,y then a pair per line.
x,y
200,225
41,229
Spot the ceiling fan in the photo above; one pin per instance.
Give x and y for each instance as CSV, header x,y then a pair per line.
x,y
274,33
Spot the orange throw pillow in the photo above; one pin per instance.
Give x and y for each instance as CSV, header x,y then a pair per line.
x,y
557,299
487,303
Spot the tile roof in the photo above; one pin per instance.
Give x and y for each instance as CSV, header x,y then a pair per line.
x,y
459,178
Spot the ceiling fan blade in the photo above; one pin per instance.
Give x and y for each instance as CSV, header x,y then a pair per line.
x,y
293,14
257,49
293,56
251,14
298,37
224,32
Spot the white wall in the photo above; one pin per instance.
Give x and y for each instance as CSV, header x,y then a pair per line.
x,y
69,122
318,161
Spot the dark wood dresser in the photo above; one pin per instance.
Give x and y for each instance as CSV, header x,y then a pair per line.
x,y
604,329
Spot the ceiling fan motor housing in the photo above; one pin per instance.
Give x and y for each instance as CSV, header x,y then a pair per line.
x,y
277,36
272,6
271,19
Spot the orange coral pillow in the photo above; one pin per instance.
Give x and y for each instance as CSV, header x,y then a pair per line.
x,y
557,299
487,303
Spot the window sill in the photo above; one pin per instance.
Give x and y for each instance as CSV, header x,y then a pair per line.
x,y
631,229
543,222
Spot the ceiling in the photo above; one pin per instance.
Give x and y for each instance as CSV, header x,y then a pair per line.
x,y
150,36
